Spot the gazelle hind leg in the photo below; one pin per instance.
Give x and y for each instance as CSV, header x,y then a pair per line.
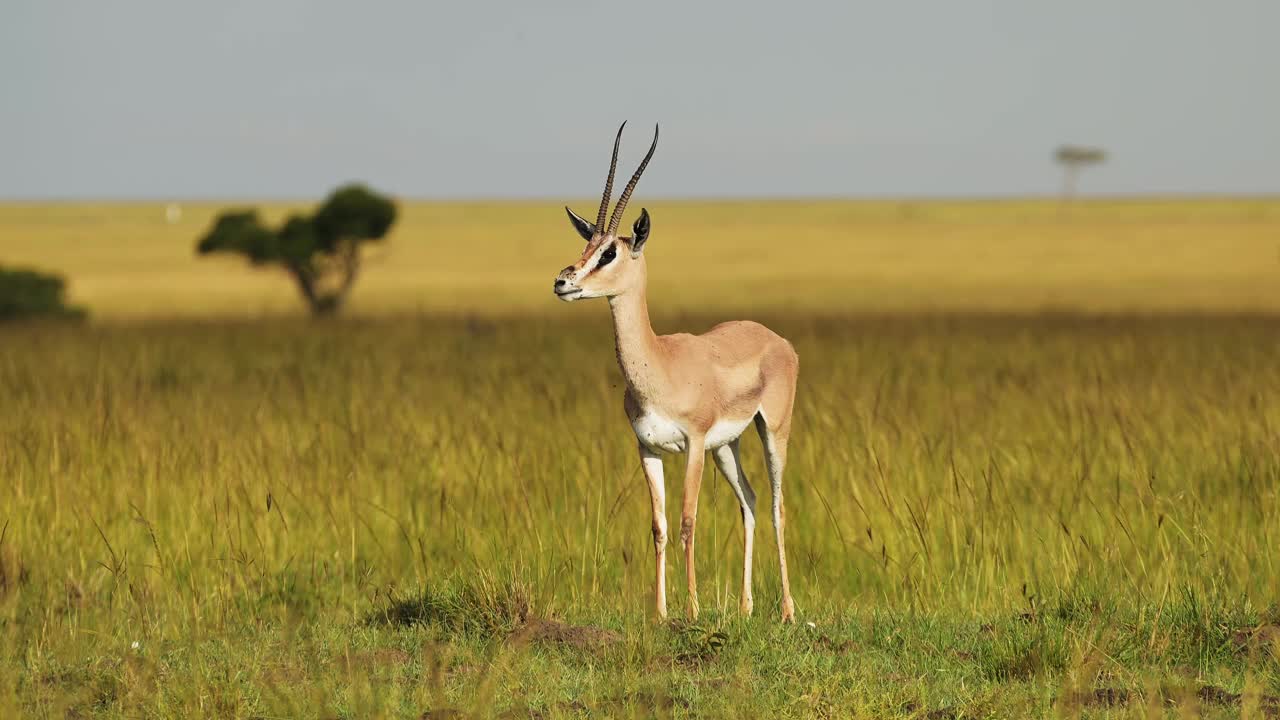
x,y
774,440
730,465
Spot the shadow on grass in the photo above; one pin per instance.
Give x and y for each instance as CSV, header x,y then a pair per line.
x,y
487,609
482,608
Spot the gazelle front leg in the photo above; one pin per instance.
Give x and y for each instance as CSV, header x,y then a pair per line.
x,y
689,517
652,464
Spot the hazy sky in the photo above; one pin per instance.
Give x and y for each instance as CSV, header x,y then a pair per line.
x,y
168,98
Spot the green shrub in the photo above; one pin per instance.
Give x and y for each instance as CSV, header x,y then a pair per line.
x,y
29,294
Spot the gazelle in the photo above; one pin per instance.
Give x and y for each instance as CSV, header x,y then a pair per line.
x,y
687,393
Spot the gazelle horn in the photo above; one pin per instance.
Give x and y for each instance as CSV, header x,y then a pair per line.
x,y
616,218
608,184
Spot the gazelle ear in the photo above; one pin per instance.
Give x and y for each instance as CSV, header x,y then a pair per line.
x,y
639,232
584,228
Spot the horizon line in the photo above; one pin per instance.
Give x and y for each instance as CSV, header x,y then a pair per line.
x,y
726,199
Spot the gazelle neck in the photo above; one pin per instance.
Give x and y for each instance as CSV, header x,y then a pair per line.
x,y
635,341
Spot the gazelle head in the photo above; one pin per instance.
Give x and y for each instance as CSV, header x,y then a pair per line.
x,y
609,265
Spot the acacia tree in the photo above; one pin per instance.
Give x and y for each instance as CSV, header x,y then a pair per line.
x,y
1072,158
321,252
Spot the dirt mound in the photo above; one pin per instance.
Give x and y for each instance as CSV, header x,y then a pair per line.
x,y
1206,695
559,633
1265,638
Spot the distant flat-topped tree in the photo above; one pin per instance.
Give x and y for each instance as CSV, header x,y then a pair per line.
x,y
321,252
1072,158
28,294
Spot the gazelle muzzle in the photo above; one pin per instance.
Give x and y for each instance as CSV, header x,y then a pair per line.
x,y
566,287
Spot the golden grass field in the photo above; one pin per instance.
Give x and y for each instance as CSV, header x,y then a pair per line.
x,y
1035,470
1210,255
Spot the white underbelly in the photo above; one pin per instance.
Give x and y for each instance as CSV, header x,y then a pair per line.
x,y
725,432
660,433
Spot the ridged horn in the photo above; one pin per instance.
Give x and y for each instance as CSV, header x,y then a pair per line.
x,y
621,207
608,184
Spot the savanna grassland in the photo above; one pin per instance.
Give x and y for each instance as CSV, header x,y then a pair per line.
x,y
1034,471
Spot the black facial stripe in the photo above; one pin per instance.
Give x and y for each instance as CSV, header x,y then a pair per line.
x,y
606,256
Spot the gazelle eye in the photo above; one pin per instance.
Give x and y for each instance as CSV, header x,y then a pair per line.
x,y
606,257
